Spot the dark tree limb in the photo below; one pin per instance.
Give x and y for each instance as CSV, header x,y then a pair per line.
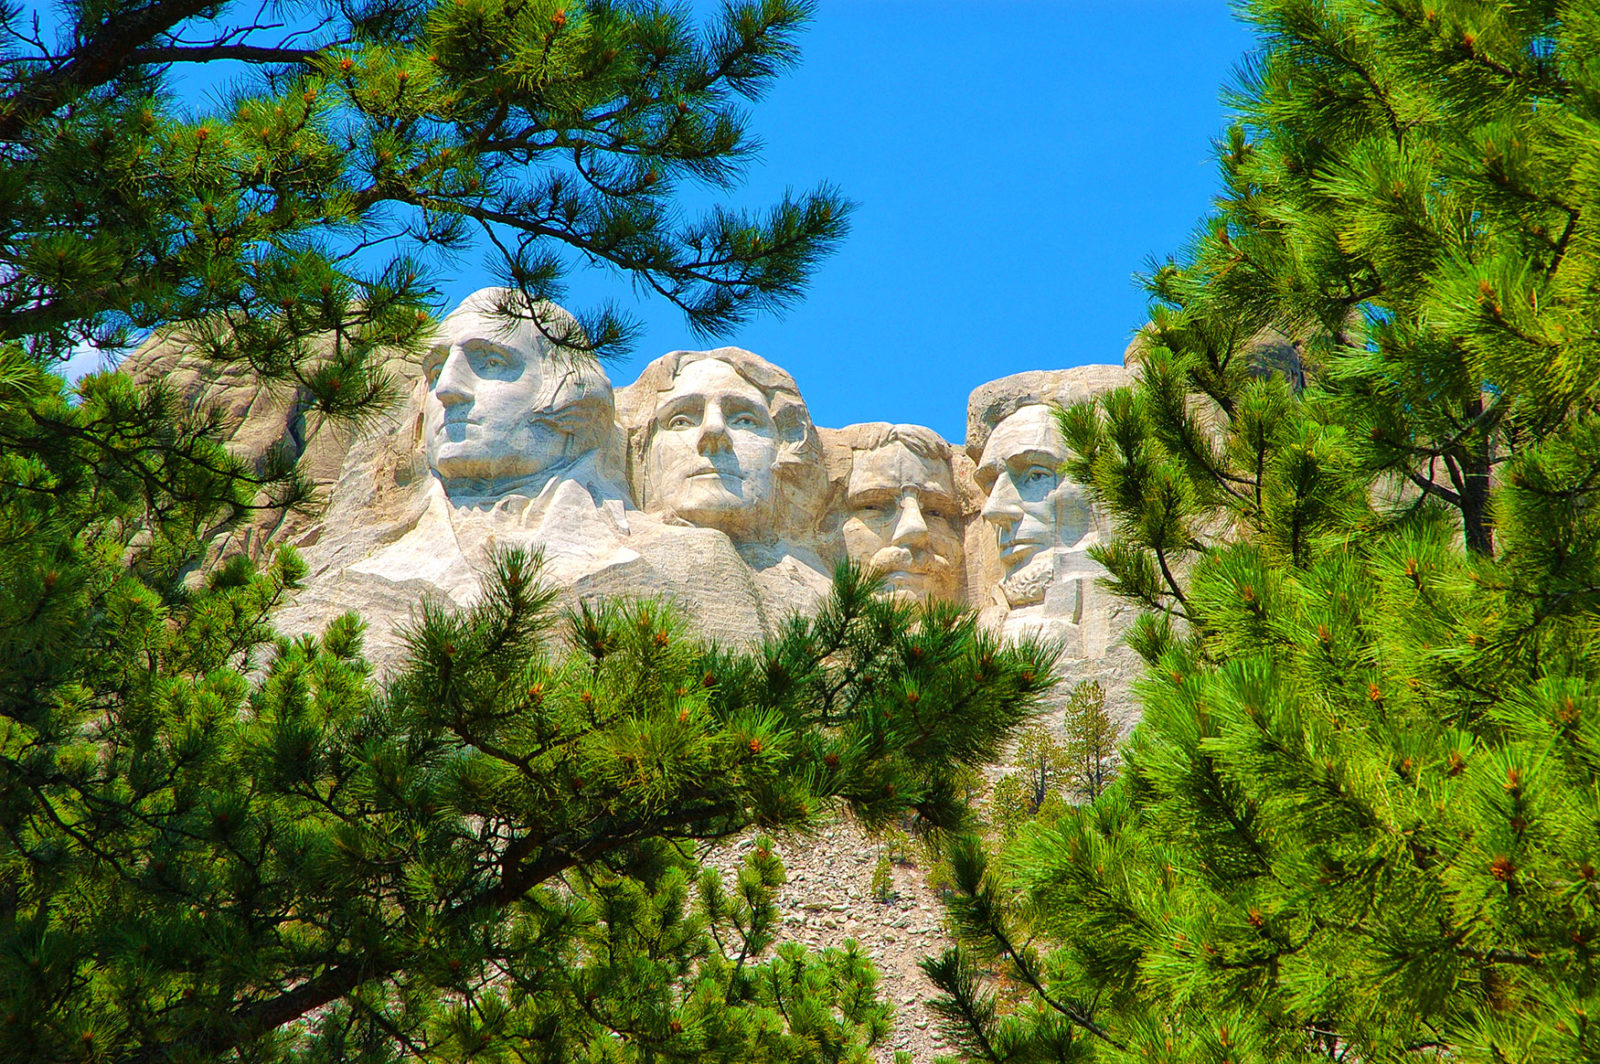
x,y
95,62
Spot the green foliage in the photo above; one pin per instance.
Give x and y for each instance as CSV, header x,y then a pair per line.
x,y
898,846
360,146
882,886
1358,818
1047,772
1091,746
220,844
1033,788
218,841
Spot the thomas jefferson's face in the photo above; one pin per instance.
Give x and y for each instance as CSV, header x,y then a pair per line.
x,y
713,452
1031,505
483,382
901,520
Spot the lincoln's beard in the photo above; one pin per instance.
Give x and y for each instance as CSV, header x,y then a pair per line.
x,y
1030,581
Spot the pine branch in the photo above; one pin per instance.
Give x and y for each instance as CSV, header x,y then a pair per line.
x,y
96,61
224,52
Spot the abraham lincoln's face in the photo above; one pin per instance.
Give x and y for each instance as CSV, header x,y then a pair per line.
x,y
1031,504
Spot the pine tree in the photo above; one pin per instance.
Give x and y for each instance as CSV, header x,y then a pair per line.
x,y
219,842
1046,772
1353,486
1039,766
1091,746
362,143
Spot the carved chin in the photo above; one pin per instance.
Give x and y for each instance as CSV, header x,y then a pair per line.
x,y
453,461
914,574
707,501
457,462
919,585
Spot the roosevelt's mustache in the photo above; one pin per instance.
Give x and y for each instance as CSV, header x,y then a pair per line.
x,y
891,559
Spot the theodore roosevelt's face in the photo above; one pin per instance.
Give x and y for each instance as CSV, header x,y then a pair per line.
x,y
1030,504
901,520
713,451
483,382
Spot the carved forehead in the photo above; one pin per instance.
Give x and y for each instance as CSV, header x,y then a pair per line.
x,y
499,315
473,324
711,376
895,467
1031,430
1029,435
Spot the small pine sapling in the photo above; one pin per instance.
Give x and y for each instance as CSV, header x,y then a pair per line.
x,y
1091,746
1032,789
882,888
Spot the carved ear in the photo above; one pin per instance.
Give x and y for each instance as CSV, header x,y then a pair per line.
x,y
583,420
795,432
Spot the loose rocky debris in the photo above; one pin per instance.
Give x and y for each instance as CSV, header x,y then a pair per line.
x,y
828,899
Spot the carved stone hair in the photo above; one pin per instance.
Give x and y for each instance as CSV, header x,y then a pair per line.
x,y
798,470
876,435
842,445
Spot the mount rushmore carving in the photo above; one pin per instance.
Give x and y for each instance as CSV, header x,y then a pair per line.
x,y
705,481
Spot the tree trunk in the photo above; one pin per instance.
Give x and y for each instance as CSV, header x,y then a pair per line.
x,y
1476,523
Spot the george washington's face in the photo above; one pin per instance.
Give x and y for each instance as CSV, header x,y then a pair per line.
x,y
901,520
484,380
713,451
1031,505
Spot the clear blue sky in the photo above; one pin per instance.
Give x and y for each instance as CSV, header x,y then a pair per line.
x,y
1014,162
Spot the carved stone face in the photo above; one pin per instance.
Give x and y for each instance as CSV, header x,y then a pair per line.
x,y
902,520
502,408
713,451
1031,505
483,382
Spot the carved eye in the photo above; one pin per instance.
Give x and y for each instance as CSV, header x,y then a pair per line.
x,y
432,367
744,421
680,421
1039,474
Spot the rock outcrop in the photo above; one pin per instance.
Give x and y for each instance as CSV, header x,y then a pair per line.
x,y
704,481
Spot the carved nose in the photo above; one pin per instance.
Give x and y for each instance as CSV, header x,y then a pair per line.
x,y
910,530
1003,507
713,432
455,380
